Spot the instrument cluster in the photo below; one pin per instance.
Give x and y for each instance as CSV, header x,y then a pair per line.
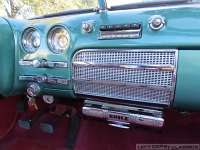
x,y
43,60
58,39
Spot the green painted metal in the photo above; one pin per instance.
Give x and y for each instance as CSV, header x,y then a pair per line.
x,y
7,58
182,32
188,80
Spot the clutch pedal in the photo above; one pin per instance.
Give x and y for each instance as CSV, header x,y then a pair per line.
x,y
123,116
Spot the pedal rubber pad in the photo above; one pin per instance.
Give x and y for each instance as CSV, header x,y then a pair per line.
x,y
25,124
47,128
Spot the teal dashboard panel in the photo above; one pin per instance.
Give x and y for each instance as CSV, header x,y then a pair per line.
x,y
181,32
7,60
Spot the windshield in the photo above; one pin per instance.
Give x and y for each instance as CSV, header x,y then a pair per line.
x,y
111,3
23,9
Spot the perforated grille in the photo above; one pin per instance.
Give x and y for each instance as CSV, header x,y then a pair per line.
x,y
156,78
124,75
126,57
124,93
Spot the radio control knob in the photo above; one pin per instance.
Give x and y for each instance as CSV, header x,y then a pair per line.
x,y
33,89
157,22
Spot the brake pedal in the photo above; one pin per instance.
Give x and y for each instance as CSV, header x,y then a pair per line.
x,y
25,124
47,128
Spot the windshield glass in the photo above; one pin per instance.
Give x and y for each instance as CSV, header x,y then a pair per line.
x,y
23,9
111,3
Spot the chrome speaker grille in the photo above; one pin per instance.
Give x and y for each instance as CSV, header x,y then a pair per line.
x,y
142,75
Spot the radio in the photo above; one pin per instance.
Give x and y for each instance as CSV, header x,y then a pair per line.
x,y
120,31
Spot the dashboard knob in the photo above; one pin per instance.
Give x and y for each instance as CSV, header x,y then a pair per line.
x,y
33,89
42,78
157,22
87,26
36,63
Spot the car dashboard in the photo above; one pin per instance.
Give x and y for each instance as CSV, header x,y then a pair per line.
x,y
146,57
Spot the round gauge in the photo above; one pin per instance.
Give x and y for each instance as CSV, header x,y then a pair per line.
x,y
58,39
31,40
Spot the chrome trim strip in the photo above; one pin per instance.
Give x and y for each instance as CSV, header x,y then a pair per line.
x,y
25,63
151,110
44,79
170,68
155,87
174,77
119,124
47,64
122,50
133,34
113,115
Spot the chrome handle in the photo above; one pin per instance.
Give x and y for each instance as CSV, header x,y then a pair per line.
x,y
44,79
43,63
118,124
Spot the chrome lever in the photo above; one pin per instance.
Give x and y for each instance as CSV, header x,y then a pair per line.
x,y
119,124
43,63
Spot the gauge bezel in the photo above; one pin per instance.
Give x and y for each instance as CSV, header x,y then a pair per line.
x,y
50,39
27,31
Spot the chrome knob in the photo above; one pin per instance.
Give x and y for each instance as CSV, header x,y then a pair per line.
x,y
49,99
42,78
36,63
157,22
87,26
33,89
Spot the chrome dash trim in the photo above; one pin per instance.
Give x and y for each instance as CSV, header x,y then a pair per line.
x,y
44,79
122,34
25,63
47,64
114,114
133,66
115,83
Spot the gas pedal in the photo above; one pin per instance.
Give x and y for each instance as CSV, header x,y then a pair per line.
x,y
47,128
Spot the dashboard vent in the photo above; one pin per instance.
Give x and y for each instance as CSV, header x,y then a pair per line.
x,y
136,75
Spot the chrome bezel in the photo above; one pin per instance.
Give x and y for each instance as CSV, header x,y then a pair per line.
x,y
163,22
50,40
24,34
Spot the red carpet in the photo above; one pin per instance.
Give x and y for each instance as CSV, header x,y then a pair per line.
x,y
8,115
97,135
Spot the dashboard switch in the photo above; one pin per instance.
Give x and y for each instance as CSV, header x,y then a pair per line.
x,y
87,26
157,22
42,63
33,89
36,63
